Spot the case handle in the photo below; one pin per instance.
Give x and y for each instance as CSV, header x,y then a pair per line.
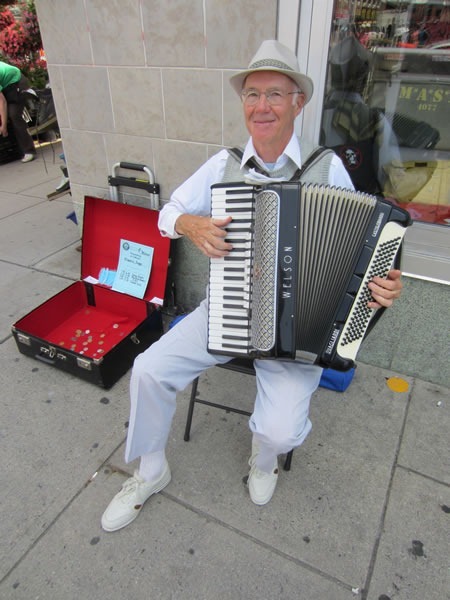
x,y
120,180
115,181
132,166
44,359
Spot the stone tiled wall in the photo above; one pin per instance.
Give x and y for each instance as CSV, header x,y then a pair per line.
x,y
147,81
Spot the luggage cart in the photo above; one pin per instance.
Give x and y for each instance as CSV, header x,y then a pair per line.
x,y
116,180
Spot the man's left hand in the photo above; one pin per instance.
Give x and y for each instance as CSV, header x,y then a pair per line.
x,y
385,291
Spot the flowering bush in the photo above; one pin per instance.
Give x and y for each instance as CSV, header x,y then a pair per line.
x,y
21,44
13,42
30,27
6,18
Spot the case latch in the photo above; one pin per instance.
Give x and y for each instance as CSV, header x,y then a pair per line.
x,y
49,352
24,339
84,363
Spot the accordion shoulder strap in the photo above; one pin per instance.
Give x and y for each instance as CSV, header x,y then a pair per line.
x,y
237,153
311,160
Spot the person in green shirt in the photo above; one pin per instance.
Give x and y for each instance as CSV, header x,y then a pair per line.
x,y
12,101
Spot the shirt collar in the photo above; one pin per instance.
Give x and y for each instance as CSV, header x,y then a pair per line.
x,y
292,151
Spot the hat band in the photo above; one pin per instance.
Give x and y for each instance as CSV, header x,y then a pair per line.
x,y
270,63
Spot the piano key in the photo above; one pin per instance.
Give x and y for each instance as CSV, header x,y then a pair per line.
x,y
246,210
218,339
230,192
242,246
218,347
245,234
223,296
233,280
230,279
234,203
229,323
235,348
240,333
244,224
231,314
239,240
229,270
237,326
218,294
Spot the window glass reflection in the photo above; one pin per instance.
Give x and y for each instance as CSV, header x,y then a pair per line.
x,y
386,108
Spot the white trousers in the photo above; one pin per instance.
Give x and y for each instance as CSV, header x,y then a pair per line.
x,y
284,388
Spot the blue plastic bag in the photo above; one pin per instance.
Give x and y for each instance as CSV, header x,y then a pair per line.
x,y
336,380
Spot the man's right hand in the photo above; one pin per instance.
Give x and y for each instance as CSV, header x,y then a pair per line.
x,y
206,233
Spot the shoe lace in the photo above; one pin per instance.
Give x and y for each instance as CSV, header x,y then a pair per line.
x,y
130,485
258,474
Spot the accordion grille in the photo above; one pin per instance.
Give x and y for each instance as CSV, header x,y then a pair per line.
x,y
263,328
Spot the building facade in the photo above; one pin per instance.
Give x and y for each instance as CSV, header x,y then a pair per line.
x,y
145,81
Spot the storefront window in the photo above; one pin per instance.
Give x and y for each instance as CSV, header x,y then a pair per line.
x,y
387,102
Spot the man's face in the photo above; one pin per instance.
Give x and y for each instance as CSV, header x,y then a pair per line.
x,y
272,126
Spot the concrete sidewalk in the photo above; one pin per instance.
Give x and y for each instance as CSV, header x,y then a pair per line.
x,y
363,513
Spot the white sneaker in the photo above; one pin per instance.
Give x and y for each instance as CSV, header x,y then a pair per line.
x,y
28,158
262,485
127,504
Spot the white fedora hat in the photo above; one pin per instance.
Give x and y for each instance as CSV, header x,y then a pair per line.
x,y
273,56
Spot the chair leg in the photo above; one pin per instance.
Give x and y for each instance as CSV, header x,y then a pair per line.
x,y
187,431
288,460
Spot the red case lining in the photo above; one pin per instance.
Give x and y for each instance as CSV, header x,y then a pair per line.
x,y
106,223
82,328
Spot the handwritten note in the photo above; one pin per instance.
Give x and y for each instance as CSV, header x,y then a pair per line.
x,y
133,271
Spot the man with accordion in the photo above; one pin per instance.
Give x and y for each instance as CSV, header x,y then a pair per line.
x,y
273,93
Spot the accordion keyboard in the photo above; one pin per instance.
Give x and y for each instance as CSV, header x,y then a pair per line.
x,y
229,282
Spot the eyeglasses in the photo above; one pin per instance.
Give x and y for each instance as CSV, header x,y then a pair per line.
x,y
274,97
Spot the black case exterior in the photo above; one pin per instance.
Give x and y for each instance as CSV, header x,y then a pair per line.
x,y
105,371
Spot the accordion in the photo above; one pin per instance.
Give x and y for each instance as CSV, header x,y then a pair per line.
x,y
295,284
